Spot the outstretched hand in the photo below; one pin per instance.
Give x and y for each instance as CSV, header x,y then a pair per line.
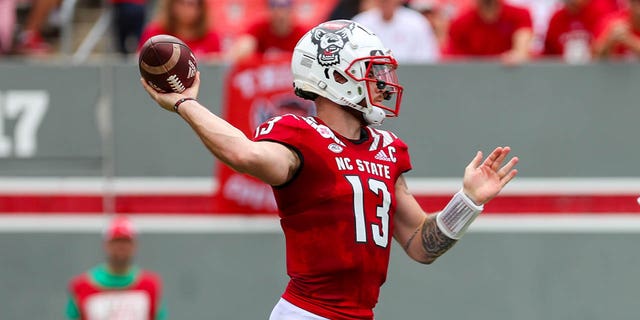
x,y
167,100
483,180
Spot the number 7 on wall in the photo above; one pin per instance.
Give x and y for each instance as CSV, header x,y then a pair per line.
x,y
27,109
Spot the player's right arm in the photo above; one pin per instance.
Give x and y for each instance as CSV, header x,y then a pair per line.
x,y
270,162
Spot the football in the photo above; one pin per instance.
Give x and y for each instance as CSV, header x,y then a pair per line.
x,y
167,64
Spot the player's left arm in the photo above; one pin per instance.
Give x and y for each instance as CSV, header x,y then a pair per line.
x,y
416,230
425,237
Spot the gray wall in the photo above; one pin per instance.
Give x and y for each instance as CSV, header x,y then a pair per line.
x,y
563,121
523,276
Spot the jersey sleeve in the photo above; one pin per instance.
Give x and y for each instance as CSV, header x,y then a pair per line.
x,y
283,129
403,157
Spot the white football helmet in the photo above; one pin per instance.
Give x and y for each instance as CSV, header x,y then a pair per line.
x,y
346,63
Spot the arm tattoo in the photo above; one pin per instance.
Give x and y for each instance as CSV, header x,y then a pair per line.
x,y
434,242
406,245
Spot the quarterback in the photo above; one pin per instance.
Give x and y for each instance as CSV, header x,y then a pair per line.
x,y
338,179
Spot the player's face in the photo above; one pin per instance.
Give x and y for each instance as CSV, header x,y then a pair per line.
x,y
381,76
120,252
377,92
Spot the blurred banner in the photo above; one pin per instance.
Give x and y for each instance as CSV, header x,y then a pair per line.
x,y
256,90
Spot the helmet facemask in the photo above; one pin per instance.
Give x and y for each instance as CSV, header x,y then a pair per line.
x,y
378,73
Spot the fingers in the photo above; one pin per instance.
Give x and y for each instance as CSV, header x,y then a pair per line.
x,y
475,162
491,159
195,87
507,167
508,177
508,172
501,156
148,88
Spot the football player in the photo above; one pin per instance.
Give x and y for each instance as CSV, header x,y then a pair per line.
x,y
338,181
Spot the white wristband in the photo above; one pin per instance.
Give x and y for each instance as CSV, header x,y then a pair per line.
x,y
456,217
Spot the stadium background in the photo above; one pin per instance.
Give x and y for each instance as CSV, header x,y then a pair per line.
x,y
560,243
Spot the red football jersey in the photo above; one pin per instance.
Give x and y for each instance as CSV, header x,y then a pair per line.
x,y
337,214
140,300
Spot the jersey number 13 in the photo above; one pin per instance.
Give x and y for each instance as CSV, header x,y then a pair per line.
x,y
378,231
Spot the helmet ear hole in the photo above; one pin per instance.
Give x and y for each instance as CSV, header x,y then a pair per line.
x,y
338,77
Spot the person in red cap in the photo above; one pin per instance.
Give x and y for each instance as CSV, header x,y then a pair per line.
x,y
116,289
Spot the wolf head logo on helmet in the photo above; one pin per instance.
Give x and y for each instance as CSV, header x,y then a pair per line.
x,y
330,39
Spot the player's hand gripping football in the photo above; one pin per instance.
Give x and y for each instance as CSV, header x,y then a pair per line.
x,y
483,180
167,100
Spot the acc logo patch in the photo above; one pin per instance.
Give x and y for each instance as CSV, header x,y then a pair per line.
x,y
335,148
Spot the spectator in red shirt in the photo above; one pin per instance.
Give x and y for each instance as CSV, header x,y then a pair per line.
x,y
492,28
188,21
572,28
117,289
619,34
276,32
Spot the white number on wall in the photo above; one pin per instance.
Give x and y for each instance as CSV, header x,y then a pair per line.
x,y
27,108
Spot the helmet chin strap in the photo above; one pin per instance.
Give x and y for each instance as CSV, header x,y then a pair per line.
x,y
375,116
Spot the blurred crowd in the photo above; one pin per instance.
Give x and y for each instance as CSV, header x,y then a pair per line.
x,y
417,31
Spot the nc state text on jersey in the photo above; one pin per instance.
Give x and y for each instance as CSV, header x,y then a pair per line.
x,y
376,169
